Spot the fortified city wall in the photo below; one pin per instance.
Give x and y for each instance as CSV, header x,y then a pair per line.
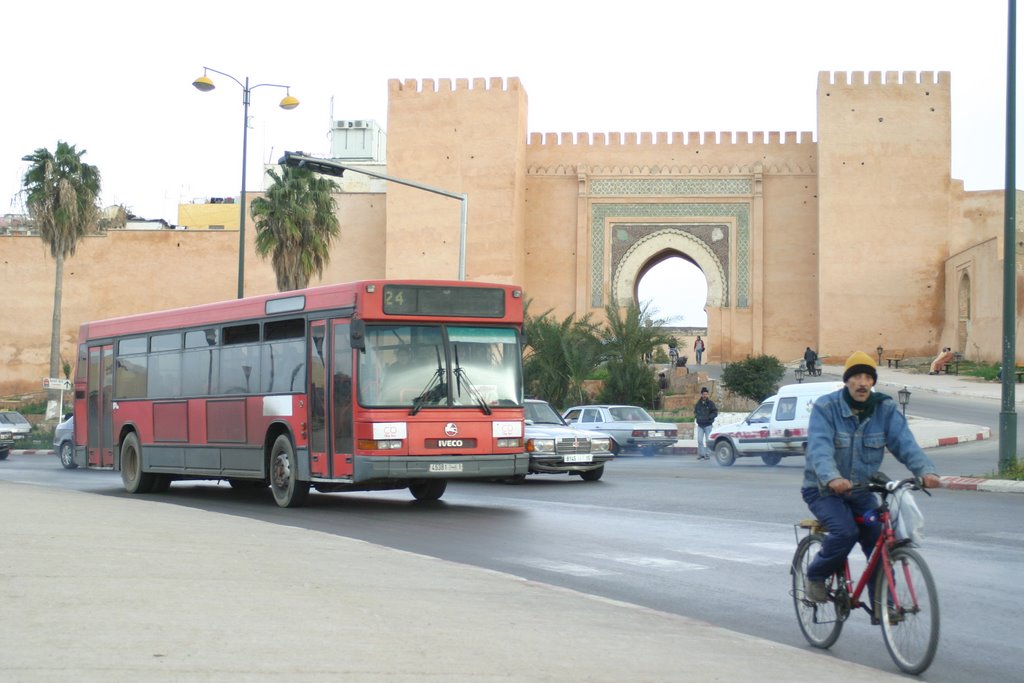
x,y
885,211
844,243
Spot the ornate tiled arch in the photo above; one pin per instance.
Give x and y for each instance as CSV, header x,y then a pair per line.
x,y
602,213
674,239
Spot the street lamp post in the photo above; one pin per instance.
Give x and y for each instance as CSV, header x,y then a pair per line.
x,y
879,351
904,396
204,84
799,372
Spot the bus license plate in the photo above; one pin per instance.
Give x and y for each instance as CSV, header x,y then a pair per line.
x,y
579,457
445,467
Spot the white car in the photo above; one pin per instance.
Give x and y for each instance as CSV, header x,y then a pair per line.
x,y
64,442
556,448
630,427
777,428
15,423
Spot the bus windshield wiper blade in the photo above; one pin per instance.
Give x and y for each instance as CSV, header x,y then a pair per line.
x,y
431,392
460,377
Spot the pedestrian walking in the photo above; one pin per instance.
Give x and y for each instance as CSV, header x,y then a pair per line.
x,y
698,348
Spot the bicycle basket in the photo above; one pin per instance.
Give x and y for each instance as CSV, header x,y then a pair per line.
x,y
907,520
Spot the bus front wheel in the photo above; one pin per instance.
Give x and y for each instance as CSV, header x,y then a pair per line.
x,y
134,479
428,489
289,490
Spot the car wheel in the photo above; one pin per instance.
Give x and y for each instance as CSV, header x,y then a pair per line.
x,y
67,459
771,460
725,454
592,475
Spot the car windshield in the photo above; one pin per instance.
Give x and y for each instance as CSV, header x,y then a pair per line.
x,y
12,418
629,414
542,414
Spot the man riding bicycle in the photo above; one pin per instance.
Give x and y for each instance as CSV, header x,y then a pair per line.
x,y
848,433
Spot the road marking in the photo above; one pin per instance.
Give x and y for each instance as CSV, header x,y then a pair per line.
x,y
650,562
561,567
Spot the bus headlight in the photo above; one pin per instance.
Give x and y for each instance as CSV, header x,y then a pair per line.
x,y
540,446
510,443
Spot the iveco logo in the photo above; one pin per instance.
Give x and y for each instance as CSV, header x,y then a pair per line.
x,y
451,429
449,443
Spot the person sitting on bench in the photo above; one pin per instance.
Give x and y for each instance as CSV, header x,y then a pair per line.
x,y
940,361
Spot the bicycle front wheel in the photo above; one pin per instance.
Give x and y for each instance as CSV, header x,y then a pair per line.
x,y
908,611
819,621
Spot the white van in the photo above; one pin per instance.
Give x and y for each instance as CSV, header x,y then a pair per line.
x,y
776,428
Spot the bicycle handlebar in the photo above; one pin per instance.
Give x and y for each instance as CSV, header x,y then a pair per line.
x,y
880,483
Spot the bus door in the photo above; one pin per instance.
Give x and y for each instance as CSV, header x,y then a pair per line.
x,y
330,397
100,391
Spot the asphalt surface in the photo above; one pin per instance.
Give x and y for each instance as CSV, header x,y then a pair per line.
x,y
99,588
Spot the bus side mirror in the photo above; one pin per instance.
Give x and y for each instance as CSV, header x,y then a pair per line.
x,y
357,334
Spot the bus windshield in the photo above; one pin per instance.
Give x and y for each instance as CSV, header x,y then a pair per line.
x,y
423,366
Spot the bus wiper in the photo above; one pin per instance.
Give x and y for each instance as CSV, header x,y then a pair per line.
x,y
431,393
460,377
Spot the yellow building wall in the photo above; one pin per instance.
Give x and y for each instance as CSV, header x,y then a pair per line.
x,y
210,216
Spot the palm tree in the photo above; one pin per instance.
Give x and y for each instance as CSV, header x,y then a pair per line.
x,y
295,225
629,336
60,194
559,357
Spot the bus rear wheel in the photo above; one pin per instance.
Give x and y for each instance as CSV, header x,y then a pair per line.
x,y
134,479
289,490
428,489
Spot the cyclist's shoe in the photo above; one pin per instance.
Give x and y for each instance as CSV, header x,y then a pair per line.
x,y
816,591
895,617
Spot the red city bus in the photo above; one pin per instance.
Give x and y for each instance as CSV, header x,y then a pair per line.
x,y
362,386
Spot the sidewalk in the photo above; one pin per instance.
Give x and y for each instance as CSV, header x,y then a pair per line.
x,y
117,589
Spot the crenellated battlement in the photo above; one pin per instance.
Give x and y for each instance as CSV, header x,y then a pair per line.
x,y
890,79
444,85
671,171
691,139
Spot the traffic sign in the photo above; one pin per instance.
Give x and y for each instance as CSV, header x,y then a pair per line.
x,y
57,383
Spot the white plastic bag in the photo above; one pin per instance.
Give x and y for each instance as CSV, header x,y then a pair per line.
x,y
907,519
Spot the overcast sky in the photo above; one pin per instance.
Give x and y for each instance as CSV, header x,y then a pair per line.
x,y
114,78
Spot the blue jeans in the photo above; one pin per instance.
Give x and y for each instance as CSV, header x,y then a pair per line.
x,y
699,354
702,439
837,513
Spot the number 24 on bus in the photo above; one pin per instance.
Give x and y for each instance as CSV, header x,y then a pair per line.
x,y
362,386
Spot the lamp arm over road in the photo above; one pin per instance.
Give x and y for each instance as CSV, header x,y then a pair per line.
x,y
327,167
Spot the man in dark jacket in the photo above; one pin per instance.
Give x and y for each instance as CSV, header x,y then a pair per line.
x,y
810,359
704,414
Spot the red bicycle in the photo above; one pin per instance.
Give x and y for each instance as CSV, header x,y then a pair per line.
x,y
904,588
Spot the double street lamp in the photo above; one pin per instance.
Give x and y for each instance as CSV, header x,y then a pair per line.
x,y
204,84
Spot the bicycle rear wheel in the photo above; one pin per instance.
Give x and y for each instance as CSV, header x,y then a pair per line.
x,y
820,623
910,616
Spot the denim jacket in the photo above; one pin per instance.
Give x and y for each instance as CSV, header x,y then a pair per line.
x,y
839,445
